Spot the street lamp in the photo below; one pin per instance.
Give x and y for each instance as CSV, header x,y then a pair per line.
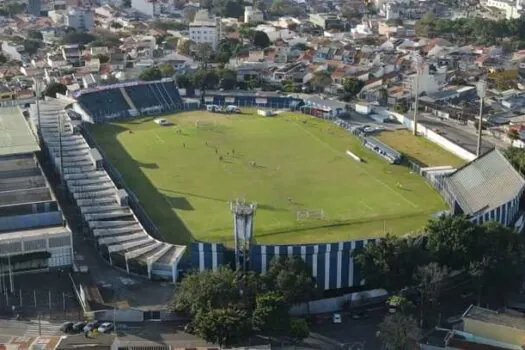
x,y
481,89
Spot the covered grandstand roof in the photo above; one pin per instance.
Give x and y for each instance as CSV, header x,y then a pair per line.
x,y
15,135
487,182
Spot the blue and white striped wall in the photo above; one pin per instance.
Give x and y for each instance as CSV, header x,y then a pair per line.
x,y
206,256
505,214
332,264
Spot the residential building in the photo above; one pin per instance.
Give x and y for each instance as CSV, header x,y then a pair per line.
x,y
205,29
511,9
324,20
81,19
148,7
253,15
34,7
12,50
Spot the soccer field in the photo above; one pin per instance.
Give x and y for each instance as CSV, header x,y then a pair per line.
x,y
291,165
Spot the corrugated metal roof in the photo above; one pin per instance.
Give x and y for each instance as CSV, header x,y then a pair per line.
x,y
485,183
15,135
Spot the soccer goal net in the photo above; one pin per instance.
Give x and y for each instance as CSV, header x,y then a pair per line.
x,y
307,214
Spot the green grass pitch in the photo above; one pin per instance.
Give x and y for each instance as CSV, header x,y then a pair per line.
x,y
185,175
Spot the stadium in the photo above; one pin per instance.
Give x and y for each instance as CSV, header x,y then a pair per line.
x,y
147,192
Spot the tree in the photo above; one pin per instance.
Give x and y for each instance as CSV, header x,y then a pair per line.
x,y
151,73
232,8
397,329
299,328
391,263
401,108
513,134
52,89
31,46
185,81
78,38
103,58
166,70
321,80
431,279
246,31
383,95
351,87
291,278
271,314
34,34
223,326
453,241
203,52
261,39
116,25
516,157
202,291
228,79
184,47
207,79
3,59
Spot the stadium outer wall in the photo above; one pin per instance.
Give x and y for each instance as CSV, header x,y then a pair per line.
x,y
331,264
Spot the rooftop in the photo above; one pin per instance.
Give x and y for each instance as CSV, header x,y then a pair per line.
x,y
15,135
505,319
485,183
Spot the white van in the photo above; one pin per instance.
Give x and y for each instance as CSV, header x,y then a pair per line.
x,y
213,108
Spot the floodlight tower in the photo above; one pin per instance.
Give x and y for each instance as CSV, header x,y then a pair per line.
x,y
418,61
243,214
481,89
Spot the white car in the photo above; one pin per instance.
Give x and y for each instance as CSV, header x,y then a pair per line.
x,y
162,122
336,318
105,327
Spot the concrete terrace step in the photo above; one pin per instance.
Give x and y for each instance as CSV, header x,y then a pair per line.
x,y
86,182
111,224
96,201
92,188
121,239
98,194
136,253
130,245
90,175
115,214
100,208
105,232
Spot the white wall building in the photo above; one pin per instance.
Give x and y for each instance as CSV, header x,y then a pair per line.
x,y
205,29
253,15
147,7
511,9
79,18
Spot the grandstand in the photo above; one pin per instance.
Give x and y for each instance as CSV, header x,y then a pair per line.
x,y
106,214
383,150
128,100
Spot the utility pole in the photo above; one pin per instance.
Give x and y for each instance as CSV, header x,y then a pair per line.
x,y
481,89
419,68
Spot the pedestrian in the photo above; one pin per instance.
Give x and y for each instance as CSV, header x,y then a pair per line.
x,y
216,151
183,145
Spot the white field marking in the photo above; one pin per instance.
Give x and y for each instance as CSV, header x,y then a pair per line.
x,y
159,138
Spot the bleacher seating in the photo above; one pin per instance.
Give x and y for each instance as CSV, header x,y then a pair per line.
x,y
144,98
104,103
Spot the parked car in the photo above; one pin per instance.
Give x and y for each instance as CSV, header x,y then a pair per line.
x,y
359,315
105,327
188,328
336,318
91,326
67,327
233,109
79,326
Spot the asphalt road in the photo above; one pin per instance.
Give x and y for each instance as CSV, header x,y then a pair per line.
x,y
464,136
